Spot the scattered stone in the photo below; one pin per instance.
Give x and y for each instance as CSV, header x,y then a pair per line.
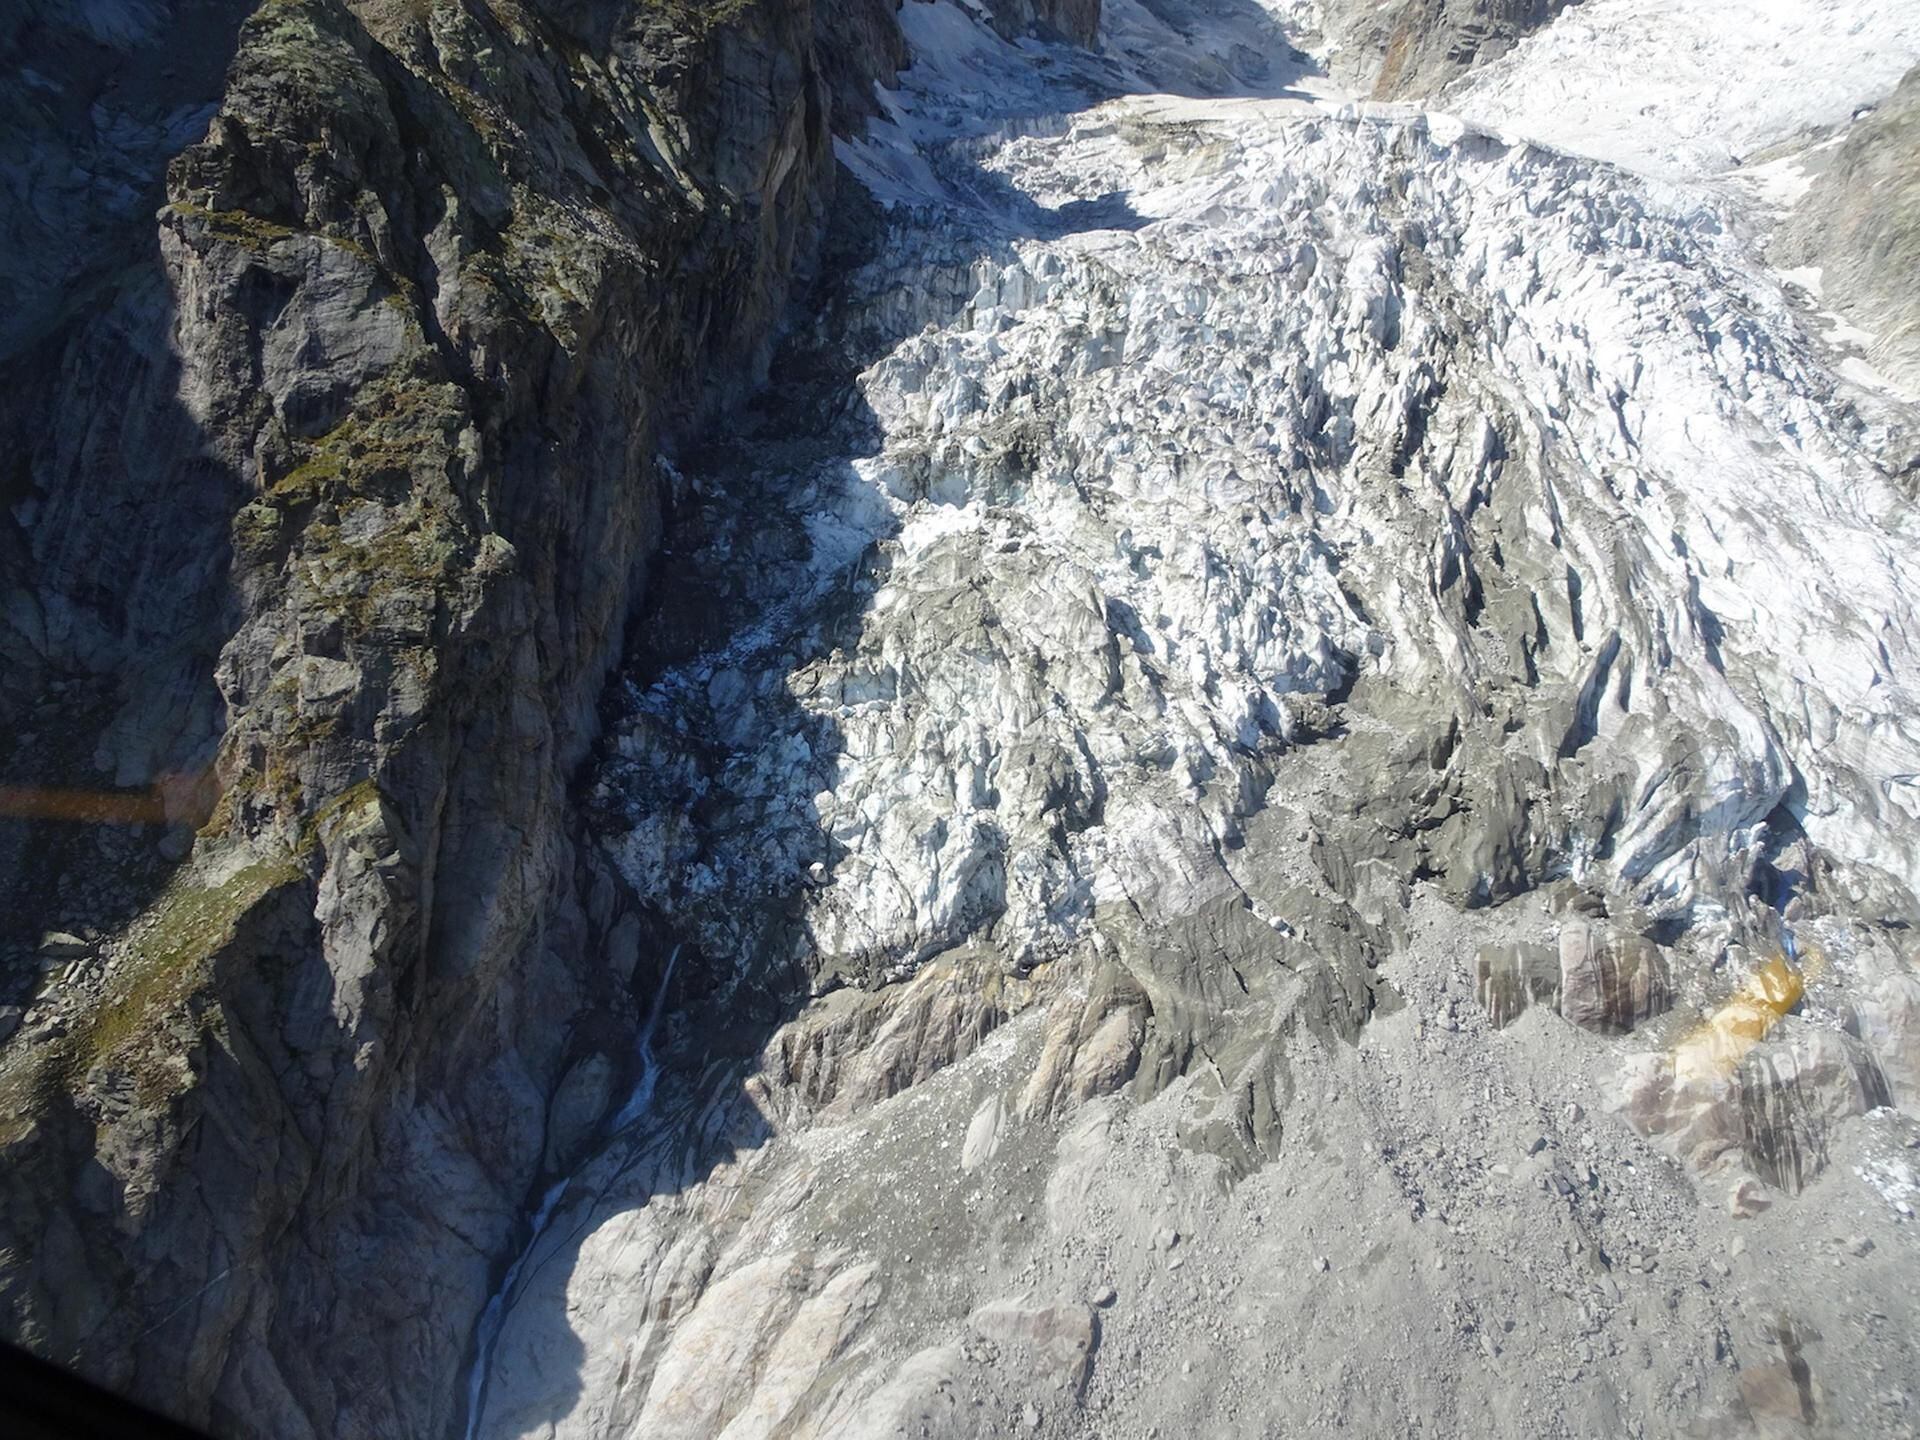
x,y
1105,1296
1747,1199
1859,1247
984,1133
1030,1414
1321,1264
60,945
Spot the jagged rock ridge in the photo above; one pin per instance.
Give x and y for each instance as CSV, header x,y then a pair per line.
x,y
1211,561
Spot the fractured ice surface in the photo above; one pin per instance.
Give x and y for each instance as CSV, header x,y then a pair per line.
x,y
1193,411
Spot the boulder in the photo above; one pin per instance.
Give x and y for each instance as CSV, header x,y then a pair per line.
x,y
1509,978
1609,983
1054,1343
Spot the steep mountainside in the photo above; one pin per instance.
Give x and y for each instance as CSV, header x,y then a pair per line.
x,y
757,719
330,489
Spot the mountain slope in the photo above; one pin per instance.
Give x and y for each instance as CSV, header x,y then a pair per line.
x,y
328,506
708,742
1332,676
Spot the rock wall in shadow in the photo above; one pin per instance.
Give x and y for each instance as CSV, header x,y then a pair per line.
x,y
346,486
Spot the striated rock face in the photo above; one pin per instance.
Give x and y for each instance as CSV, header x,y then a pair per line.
x,y
1609,983
1431,41
1604,982
1792,1096
1510,978
1411,48
1888,1019
328,501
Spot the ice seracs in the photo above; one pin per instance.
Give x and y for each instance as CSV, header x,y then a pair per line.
x,y
1265,540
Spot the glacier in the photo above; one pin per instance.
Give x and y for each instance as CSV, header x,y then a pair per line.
x,y
1229,576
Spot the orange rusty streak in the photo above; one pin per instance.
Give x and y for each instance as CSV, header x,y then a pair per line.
x,y
34,802
1711,1051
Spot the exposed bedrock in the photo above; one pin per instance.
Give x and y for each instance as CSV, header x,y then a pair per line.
x,y
329,498
1406,49
1859,224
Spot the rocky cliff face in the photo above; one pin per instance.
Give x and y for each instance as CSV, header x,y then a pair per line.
x,y
659,785
1426,43
1409,49
331,485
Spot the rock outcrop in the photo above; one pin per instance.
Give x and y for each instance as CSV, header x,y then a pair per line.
x,y
1511,978
1859,224
1430,43
1609,982
1411,48
330,496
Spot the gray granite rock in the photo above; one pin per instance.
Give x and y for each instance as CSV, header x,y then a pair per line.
x,y
336,492
1859,223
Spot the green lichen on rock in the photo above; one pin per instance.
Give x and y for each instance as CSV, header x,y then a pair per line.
x,y
355,799
432,285
253,232
165,960
159,1001
237,227
372,505
402,420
